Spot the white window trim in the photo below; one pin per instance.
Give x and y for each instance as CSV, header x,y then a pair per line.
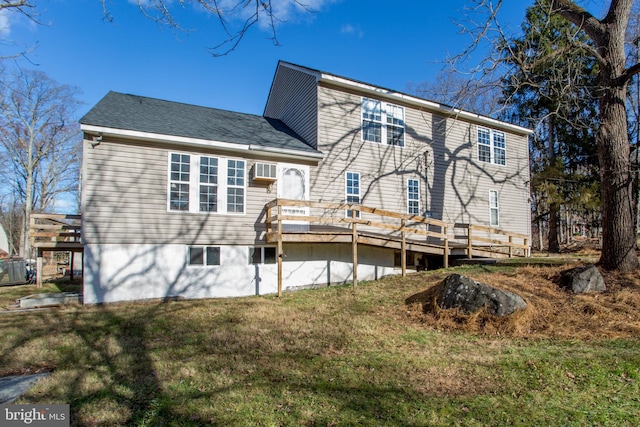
x,y
492,146
413,200
347,195
204,249
496,208
383,122
194,185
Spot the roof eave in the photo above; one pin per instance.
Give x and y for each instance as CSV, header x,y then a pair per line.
x,y
423,103
202,143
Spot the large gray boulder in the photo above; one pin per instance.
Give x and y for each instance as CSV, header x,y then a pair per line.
x,y
458,291
582,279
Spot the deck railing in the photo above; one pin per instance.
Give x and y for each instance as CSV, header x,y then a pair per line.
x,y
55,231
403,226
371,225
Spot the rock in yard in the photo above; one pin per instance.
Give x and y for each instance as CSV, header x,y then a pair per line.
x,y
458,291
582,279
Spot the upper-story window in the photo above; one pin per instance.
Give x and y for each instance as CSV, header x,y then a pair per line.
x,y
382,122
491,146
218,187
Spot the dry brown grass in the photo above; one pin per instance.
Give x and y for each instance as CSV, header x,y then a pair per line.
x,y
551,311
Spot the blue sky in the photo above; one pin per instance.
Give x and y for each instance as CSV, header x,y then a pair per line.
x,y
371,41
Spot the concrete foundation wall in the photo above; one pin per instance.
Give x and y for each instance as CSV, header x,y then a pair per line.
x,y
145,271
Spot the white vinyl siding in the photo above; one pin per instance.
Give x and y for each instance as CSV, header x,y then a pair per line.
x,y
219,187
491,146
494,209
382,122
413,197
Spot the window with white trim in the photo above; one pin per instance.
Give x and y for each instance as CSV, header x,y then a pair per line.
x,y
203,255
235,186
217,185
208,184
179,179
352,190
262,255
413,197
382,122
494,209
491,146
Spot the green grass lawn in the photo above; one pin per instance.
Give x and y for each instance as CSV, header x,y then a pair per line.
x,y
324,357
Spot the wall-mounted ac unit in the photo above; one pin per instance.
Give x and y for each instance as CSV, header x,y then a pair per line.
x,y
264,172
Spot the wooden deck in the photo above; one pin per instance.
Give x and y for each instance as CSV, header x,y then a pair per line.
x,y
328,223
55,232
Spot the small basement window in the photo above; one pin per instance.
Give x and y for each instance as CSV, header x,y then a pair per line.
x,y
203,255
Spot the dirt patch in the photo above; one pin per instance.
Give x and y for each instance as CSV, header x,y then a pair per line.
x,y
551,311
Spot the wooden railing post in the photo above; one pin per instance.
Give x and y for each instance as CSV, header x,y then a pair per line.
x,y
510,246
469,242
354,248
39,266
445,230
279,250
268,220
403,250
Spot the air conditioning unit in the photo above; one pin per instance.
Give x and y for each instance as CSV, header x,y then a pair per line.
x,y
264,172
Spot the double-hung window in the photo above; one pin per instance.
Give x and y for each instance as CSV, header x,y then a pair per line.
x,y
382,122
179,179
413,197
494,209
235,186
491,146
206,184
352,190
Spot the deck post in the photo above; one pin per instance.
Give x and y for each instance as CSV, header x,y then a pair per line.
x,y
279,250
39,268
268,220
445,229
71,265
527,251
403,250
510,246
469,242
354,247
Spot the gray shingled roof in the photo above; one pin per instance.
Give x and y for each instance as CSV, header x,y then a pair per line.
x,y
142,114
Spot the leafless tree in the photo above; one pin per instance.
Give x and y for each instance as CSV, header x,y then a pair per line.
x,y
606,45
40,139
235,17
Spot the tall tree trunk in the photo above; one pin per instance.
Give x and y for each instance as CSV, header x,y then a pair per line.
x,y
554,206
618,234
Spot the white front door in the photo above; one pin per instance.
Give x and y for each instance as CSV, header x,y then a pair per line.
x,y
293,184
